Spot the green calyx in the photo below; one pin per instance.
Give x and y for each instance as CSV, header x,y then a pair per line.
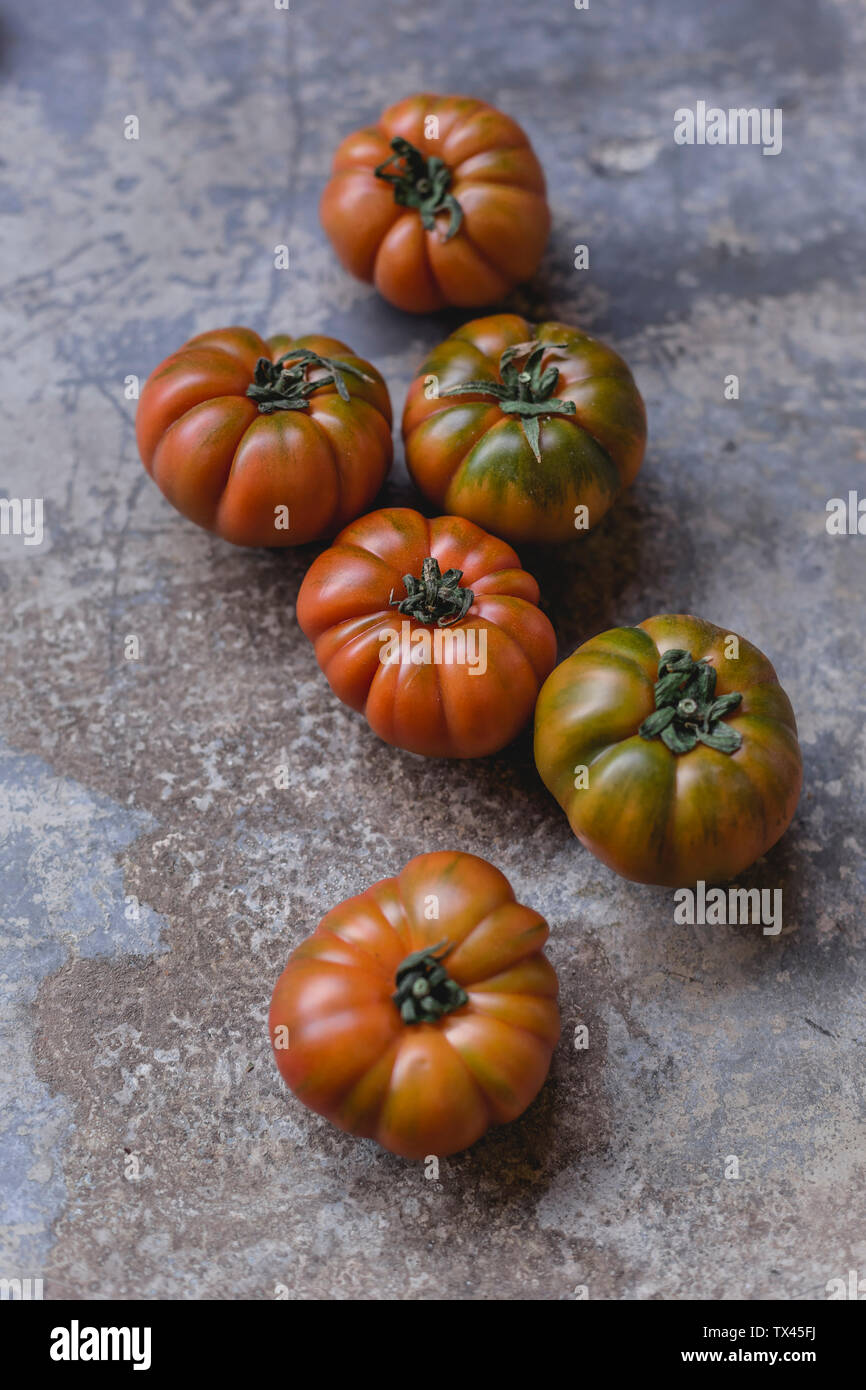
x,y
421,184
686,711
425,990
523,391
278,387
435,597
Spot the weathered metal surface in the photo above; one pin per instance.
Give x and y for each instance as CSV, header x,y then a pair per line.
x,y
154,878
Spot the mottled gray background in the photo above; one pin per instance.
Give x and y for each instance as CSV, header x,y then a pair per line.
x,y
153,878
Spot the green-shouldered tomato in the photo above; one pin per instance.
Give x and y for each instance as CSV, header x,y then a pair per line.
x,y
530,430
672,749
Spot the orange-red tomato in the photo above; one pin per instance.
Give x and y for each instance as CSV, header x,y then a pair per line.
x,y
672,749
443,202
431,629
422,1011
531,430
266,442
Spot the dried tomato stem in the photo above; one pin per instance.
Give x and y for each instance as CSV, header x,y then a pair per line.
x,y
435,597
425,991
421,184
278,387
687,712
526,393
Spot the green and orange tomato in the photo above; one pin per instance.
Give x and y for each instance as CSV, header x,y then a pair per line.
x,y
422,1011
530,430
672,748
429,628
271,442
441,202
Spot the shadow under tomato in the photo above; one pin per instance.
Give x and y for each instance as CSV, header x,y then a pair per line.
x,y
583,584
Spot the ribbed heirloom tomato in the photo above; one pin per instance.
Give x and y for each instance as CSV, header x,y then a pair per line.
x,y
422,1011
443,202
531,430
430,628
266,442
672,749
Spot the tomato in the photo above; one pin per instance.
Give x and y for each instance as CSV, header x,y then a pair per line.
x,y
421,1011
430,628
443,202
275,442
689,745
530,430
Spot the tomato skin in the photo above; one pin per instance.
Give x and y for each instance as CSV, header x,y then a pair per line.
x,y
437,710
652,815
495,178
471,459
228,467
423,1088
